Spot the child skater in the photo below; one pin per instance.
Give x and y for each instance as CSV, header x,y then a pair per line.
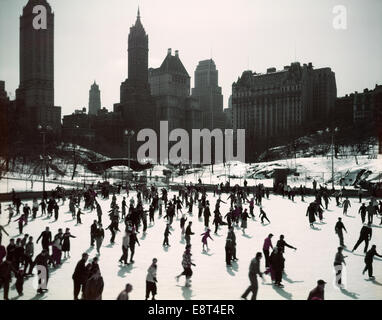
x,y
206,235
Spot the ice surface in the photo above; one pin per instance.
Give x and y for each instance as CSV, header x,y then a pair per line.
x,y
313,259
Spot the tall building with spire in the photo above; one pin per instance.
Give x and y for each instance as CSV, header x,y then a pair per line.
x,y
35,94
137,107
94,99
209,94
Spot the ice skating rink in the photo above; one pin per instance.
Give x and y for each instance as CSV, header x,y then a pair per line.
x,y
313,259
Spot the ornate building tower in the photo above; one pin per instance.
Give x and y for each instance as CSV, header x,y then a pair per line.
x,y
94,99
138,52
137,106
36,89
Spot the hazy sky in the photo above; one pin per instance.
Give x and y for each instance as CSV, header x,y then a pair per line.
x,y
91,41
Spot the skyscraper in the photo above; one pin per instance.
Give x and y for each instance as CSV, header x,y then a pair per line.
x,y
209,94
94,99
137,107
36,90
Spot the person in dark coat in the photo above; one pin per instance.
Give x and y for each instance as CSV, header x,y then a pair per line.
x,y
318,292
207,215
6,269
311,213
276,261
80,276
132,242
11,251
66,243
338,228
46,237
93,232
231,235
365,235
94,287
167,232
362,210
228,251
369,261
189,233
282,244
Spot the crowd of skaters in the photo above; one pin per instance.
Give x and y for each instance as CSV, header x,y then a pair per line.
x,y
18,257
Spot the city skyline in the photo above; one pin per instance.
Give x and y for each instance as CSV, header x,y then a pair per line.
x,y
196,33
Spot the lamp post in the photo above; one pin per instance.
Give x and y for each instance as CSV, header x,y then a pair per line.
x,y
43,130
333,131
129,134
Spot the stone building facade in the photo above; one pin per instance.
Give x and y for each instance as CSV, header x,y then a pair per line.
x,y
281,104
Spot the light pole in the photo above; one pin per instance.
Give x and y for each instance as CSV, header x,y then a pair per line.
x,y
129,134
333,131
43,130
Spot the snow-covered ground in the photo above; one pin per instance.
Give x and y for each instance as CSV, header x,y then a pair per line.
x,y
318,168
307,169
313,259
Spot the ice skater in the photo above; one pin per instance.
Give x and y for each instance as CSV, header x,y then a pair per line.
x,y
151,280
189,233
244,220
263,216
205,237
369,261
267,244
338,229
365,235
254,270
186,264
346,205
182,223
66,243
339,260
311,213
167,232
362,211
